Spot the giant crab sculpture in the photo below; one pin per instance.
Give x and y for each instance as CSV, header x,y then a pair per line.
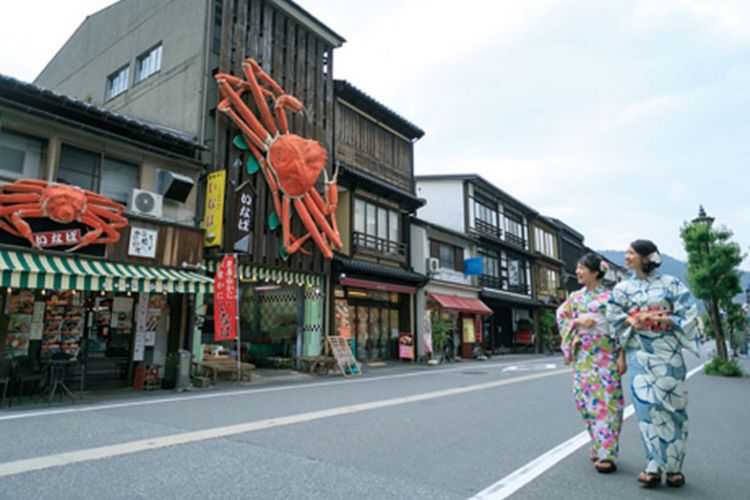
x,y
31,198
290,164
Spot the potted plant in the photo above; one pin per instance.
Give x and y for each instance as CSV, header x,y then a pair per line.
x,y
439,337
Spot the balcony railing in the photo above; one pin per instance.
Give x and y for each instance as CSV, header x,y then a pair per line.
x,y
523,289
488,229
363,240
515,240
489,281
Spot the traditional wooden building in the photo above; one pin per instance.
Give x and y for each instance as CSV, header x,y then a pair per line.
x,y
500,223
372,278
547,270
109,306
157,61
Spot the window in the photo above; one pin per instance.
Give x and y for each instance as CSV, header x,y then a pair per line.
x,y
514,224
516,275
485,211
117,82
376,227
98,173
20,156
148,63
450,256
544,242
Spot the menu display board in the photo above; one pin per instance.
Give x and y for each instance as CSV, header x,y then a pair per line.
x,y
19,307
63,324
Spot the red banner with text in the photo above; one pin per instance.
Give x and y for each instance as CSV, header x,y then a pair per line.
x,y
225,300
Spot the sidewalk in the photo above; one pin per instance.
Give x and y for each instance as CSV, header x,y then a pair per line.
x,y
261,377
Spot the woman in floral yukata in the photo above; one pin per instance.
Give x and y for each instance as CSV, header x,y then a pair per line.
x,y
589,344
655,317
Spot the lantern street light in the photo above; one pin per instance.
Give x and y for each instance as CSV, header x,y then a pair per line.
x,y
703,219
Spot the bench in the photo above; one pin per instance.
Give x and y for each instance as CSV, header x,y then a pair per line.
x,y
317,365
215,368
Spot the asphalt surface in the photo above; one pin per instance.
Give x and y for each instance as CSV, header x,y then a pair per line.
x,y
441,446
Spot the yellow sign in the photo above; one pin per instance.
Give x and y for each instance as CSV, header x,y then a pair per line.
x,y
469,334
214,214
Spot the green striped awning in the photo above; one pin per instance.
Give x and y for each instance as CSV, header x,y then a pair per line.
x,y
257,273
20,269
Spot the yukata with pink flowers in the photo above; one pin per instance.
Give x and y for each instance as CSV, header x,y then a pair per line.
x,y
593,351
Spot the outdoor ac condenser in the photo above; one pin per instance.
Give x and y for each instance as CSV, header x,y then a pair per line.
x,y
148,203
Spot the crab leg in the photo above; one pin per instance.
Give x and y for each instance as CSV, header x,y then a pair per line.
x,y
280,108
19,197
250,67
299,205
231,95
22,226
322,222
327,209
247,132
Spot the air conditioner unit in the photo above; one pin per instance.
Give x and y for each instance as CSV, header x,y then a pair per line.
x,y
432,265
148,203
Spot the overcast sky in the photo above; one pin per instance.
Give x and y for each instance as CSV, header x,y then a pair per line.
x,y
618,117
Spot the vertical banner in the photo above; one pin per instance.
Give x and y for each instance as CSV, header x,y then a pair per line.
x,y
225,300
469,336
214,214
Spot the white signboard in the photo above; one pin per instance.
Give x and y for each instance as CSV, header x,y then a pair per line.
x,y
142,242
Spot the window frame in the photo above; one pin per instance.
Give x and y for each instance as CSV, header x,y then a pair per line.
x,y
100,173
108,95
371,228
455,262
27,171
138,77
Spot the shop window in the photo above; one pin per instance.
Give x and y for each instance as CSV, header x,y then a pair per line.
x,y
516,275
96,172
20,156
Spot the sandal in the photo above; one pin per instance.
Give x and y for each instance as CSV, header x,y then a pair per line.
x,y
592,455
649,479
675,479
605,466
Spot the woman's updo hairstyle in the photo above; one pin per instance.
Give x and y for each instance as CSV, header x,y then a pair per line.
x,y
651,256
594,263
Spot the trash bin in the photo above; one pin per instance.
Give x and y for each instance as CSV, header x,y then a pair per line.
x,y
183,370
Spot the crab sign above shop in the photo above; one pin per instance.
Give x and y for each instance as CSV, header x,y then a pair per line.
x,y
84,217
291,164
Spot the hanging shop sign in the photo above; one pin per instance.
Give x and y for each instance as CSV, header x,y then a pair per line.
x,y
213,221
48,214
225,300
244,218
473,266
290,164
142,242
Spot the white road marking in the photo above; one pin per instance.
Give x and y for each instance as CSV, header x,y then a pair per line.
x,y
530,367
530,471
61,459
242,392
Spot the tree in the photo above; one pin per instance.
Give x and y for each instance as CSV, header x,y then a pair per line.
x,y
712,272
735,319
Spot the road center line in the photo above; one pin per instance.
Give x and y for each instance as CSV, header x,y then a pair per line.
x,y
530,471
242,392
61,459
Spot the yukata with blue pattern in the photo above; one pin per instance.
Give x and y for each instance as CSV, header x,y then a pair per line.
x,y
596,384
656,367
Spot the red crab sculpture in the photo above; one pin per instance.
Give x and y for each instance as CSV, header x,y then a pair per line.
x,y
30,198
290,164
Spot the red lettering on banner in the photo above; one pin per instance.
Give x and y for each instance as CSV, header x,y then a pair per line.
x,y
225,300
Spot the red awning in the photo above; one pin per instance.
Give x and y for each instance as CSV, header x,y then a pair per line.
x,y
377,285
461,304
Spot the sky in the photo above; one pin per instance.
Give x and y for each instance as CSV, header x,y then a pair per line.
x,y
619,117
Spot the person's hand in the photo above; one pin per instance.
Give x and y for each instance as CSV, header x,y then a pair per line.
x,y
659,317
586,322
621,364
635,321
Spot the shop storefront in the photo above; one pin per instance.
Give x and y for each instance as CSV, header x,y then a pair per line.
x,y
511,324
463,316
376,317
281,315
106,316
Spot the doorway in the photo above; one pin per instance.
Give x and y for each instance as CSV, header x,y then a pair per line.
x,y
376,330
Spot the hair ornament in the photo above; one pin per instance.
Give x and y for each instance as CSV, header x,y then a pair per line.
x,y
603,266
654,257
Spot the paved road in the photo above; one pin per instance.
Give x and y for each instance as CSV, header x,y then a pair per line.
x,y
407,432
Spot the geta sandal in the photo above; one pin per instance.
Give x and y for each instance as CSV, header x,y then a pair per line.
x,y
649,479
605,466
675,479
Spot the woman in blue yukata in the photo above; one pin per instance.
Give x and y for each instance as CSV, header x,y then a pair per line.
x,y
590,345
655,317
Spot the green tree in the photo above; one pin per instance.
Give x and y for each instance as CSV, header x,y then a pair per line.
x,y
712,272
735,320
546,329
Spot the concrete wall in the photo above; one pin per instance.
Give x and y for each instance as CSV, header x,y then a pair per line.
x,y
116,36
445,203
